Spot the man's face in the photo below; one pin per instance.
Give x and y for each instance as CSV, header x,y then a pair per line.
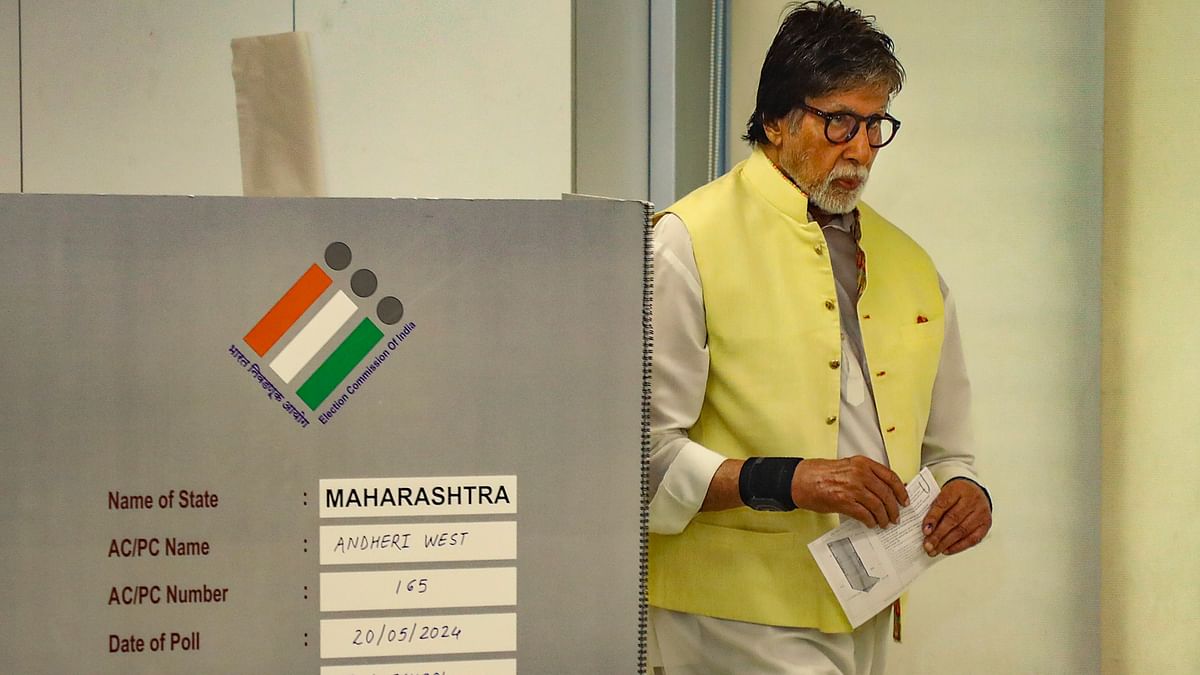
x,y
832,175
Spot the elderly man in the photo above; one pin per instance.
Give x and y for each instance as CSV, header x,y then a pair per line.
x,y
807,364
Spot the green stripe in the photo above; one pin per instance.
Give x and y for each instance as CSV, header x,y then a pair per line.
x,y
330,374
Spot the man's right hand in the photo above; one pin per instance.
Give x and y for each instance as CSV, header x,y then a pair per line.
x,y
858,487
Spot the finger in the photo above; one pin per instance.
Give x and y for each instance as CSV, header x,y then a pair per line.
x,y
941,504
972,511
860,513
970,540
949,520
973,533
959,532
965,517
869,501
883,492
893,483
979,517
865,507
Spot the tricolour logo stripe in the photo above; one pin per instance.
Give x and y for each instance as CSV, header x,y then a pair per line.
x,y
338,365
288,310
318,331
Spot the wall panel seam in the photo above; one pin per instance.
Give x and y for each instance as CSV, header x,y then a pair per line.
x,y
20,105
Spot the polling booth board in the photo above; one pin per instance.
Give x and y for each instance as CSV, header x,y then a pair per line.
x,y
323,435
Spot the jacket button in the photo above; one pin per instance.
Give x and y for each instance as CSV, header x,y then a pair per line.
x,y
831,419
834,364
829,304
819,249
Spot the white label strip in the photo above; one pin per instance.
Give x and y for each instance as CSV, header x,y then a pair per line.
x,y
424,496
418,589
418,542
318,331
497,667
418,635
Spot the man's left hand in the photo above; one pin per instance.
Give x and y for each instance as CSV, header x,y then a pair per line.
x,y
958,519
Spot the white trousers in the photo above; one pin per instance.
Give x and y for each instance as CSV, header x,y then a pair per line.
x,y
689,644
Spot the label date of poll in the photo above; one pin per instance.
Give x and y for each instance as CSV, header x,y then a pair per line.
x,y
163,642
171,499
386,634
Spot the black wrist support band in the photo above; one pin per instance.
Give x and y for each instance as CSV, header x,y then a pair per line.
x,y
765,483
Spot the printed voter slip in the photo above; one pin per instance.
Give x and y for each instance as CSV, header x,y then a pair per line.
x,y
869,568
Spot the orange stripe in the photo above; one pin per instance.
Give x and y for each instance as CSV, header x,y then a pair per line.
x,y
290,307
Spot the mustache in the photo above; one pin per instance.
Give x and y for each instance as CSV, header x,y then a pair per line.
x,y
855,171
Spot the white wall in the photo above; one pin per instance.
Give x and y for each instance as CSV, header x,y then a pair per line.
x,y
612,98
135,97
437,98
10,112
429,98
997,171
1151,289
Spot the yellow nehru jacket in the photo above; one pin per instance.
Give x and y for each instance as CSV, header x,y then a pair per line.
x,y
774,386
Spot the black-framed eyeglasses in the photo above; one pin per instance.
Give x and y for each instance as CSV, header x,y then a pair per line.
x,y
841,127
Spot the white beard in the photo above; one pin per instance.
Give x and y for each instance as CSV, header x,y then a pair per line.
x,y
832,199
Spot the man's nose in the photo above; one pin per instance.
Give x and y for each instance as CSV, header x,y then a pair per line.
x,y
859,148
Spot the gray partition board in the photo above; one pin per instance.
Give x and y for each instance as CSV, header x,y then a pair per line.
x,y
322,435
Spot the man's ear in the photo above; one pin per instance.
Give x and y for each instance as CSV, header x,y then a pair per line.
x,y
774,130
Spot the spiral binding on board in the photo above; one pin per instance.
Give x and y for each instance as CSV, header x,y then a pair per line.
x,y
647,358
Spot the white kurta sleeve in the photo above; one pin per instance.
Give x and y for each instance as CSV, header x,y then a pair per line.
x,y
680,469
948,446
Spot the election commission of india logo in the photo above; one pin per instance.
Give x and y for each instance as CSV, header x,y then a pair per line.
x,y
313,314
